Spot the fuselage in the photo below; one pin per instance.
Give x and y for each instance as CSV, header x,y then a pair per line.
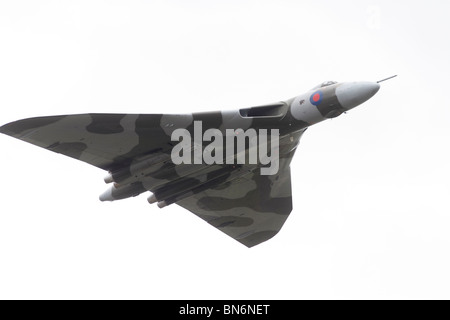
x,y
289,118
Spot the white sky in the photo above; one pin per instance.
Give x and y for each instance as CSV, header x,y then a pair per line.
x,y
371,216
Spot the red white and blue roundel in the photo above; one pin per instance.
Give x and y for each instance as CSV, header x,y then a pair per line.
x,y
316,98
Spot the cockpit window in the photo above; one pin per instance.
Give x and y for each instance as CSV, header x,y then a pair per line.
x,y
325,84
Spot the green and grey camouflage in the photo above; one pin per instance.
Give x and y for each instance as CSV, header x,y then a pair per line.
x,y
235,198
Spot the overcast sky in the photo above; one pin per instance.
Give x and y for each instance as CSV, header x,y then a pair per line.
x,y
371,216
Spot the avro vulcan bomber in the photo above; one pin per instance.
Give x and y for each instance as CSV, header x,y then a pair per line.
x,y
230,168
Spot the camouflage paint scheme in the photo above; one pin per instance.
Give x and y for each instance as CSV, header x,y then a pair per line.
x,y
236,199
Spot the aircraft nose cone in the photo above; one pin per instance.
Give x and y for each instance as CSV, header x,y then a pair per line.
x,y
352,94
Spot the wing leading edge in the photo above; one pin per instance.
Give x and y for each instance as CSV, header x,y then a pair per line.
x,y
107,141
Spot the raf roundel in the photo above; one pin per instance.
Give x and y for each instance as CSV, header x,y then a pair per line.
x,y
316,98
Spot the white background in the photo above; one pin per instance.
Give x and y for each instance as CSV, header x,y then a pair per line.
x,y
371,216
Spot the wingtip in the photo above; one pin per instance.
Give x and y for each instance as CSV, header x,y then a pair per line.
x,y
16,128
257,238
5,129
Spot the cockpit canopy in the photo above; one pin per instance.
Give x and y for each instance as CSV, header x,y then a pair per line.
x,y
324,84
